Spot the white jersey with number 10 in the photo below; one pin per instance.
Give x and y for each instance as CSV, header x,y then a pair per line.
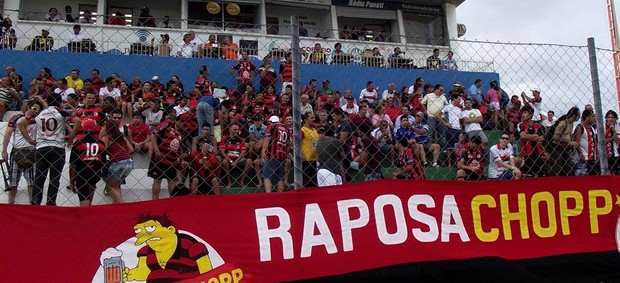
x,y
51,127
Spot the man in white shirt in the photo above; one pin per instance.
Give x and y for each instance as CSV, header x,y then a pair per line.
x,y
51,139
76,35
15,136
109,90
369,93
502,162
389,92
419,81
153,115
471,119
305,106
383,136
452,120
195,40
187,49
181,107
63,90
549,119
535,101
350,107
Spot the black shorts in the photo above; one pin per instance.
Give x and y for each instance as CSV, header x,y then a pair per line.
x,y
533,164
473,176
204,186
614,165
273,170
160,171
86,181
72,157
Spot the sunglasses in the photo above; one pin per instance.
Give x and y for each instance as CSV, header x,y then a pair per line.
x,y
505,138
35,109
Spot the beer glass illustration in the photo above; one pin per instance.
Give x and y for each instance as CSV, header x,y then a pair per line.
x,y
113,268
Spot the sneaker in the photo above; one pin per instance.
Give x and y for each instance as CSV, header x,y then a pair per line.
x,y
435,165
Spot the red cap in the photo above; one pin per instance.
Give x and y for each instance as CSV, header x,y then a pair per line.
x,y
89,125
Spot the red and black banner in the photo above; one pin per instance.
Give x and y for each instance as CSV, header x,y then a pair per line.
x,y
535,230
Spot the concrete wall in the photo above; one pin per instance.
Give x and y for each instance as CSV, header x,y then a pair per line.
x,y
29,63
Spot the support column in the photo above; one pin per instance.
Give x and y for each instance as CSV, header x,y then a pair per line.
x,y
10,10
401,27
101,12
451,24
262,15
184,12
335,30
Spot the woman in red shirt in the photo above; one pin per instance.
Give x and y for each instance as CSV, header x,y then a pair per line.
x,y
119,150
127,99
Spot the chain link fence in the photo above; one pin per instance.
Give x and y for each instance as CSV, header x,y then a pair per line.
x,y
355,92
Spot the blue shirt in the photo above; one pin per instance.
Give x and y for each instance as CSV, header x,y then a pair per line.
x,y
404,133
259,133
475,91
421,139
211,100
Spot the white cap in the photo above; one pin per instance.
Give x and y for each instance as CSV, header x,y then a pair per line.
x,y
535,90
154,78
274,119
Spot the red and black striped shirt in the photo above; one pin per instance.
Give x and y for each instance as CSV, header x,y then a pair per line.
x,y
531,147
181,265
169,142
203,83
278,140
203,166
286,70
94,113
471,157
90,153
232,147
190,121
407,158
244,68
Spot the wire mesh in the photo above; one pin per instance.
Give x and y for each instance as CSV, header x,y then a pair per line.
x,y
362,138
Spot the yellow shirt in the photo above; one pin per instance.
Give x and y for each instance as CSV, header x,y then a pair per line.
x,y
75,84
308,144
434,103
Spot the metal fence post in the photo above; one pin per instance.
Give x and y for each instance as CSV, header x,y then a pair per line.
x,y
297,170
598,108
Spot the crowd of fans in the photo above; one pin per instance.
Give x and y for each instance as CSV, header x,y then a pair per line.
x,y
192,46
199,133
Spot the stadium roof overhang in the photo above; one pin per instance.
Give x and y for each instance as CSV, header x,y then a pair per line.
x,y
434,2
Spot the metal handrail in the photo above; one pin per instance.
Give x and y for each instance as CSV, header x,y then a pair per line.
x,y
118,39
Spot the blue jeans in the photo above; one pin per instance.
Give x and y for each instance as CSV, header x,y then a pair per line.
x,y
120,170
434,124
204,113
452,137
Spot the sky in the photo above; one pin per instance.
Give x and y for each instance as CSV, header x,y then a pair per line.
x,y
562,73
568,22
